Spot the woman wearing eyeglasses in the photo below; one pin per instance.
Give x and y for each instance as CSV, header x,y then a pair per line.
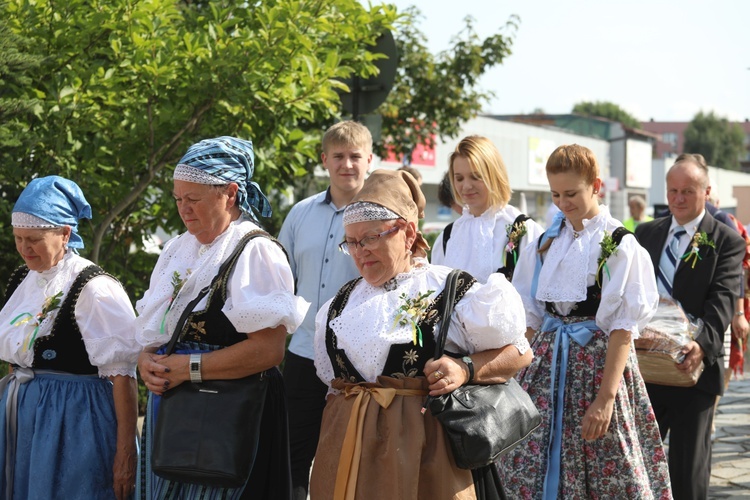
x,y
373,346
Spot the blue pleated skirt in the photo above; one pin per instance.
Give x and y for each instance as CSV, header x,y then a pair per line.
x,y
67,433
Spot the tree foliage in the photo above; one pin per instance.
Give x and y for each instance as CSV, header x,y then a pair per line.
x,y
125,87
717,139
435,94
608,110
113,92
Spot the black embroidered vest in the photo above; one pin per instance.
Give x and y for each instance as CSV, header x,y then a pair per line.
x,y
211,326
404,360
63,349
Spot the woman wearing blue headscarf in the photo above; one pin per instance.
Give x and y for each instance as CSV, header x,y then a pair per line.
x,y
228,335
68,408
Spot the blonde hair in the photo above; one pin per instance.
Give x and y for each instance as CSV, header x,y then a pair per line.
x,y
486,161
347,133
575,158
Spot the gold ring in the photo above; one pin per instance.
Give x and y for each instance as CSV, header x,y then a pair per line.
x,y
439,374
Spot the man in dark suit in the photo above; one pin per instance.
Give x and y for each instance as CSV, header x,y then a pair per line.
x,y
707,290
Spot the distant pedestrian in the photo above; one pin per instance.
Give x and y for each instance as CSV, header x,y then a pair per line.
x,y
637,205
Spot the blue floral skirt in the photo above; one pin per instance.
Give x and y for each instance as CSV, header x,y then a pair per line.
x,y
627,462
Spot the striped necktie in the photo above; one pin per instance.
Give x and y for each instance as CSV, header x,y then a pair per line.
x,y
668,263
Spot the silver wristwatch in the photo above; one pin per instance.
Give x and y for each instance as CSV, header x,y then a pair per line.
x,y
470,365
195,369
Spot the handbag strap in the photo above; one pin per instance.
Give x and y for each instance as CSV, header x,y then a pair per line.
x,y
449,296
222,270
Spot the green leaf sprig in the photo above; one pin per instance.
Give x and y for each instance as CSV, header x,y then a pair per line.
x,y
608,248
700,239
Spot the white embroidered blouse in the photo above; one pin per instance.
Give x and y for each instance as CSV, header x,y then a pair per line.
x,y
103,312
629,294
477,244
260,290
489,316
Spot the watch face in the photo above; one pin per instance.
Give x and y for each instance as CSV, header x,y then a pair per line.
x,y
194,367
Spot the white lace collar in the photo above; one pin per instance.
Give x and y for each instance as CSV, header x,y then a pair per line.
x,y
563,277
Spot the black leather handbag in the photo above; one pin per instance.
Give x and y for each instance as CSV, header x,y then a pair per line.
x,y
482,422
208,432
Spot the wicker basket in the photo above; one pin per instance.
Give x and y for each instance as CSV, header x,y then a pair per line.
x,y
660,368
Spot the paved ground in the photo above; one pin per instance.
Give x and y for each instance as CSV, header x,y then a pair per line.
x,y
730,466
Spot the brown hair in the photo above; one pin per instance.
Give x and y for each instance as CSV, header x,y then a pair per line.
x,y
486,161
572,158
348,133
575,158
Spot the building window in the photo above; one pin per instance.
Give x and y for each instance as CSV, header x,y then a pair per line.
x,y
670,138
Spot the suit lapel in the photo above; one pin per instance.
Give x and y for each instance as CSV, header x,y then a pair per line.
x,y
655,241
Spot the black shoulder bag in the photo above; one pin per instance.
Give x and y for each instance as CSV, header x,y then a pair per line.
x,y
482,422
208,433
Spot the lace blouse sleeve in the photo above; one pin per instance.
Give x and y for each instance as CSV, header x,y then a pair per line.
x,y
106,319
260,292
489,316
629,293
522,281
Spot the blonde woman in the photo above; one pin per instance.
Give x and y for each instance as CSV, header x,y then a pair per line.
x,y
487,237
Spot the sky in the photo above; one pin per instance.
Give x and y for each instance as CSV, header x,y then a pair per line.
x,y
664,60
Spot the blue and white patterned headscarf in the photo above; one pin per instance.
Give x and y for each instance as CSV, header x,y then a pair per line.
x,y
55,200
223,160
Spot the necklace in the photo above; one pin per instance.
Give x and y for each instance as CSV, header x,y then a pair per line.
x,y
576,234
390,285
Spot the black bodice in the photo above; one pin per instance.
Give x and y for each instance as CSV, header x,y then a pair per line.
x,y
404,360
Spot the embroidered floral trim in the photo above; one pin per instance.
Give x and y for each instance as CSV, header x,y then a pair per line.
x,y
515,232
609,247
410,358
411,312
50,304
693,254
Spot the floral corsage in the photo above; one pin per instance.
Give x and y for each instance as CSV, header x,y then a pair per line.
x,y
411,312
609,247
50,304
177,283
693,254
515,232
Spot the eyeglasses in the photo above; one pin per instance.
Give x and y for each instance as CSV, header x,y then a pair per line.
x,y
368,242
